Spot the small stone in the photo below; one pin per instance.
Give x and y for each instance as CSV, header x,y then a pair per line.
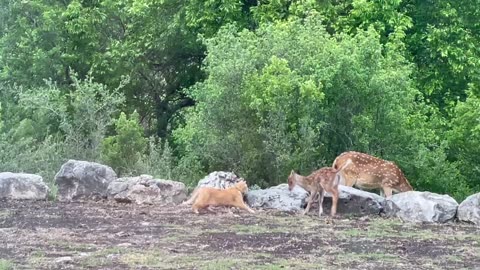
x,y
64,260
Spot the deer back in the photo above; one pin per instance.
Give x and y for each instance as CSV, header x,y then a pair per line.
x,y
370,172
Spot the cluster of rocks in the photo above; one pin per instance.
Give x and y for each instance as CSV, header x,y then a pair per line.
x,y
82,180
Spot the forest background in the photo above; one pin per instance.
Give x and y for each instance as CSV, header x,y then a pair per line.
x,y
178,89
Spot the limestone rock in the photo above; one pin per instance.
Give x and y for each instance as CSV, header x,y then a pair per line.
x,y
145,189
469,209
416,206
22,186
80,180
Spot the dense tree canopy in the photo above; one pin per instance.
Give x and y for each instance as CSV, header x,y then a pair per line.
x,y
258,87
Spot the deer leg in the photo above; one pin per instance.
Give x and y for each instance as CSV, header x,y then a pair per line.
x,y
334,192
388,191
310,200
320,201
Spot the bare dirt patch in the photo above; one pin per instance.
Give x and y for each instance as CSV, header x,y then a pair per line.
x,y
103,235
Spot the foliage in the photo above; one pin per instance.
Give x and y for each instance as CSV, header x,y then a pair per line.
x,y
123,150
272,102
284,84
464,138
55,126
81,116
441,44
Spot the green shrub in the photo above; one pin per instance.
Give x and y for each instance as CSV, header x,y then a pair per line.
x,y
44,127
124,150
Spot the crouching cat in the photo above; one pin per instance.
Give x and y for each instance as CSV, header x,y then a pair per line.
x,y
204,197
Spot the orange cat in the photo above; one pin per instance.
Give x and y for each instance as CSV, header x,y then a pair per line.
x,y
207,196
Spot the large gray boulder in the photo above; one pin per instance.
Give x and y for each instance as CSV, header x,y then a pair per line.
x,y
351,201
219,179
145,189
469,209
278,197
22,186
83,180
416,206
355,202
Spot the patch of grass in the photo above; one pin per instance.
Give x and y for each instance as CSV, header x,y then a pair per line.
x,y
101,257
71,246
347,258
255,229
36,258
390,228
453,258
148,258
162,259
52,194
6,264
4,214
303,262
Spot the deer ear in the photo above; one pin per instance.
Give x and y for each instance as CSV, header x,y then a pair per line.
x,y
292,172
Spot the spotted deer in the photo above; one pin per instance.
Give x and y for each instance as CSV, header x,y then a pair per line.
x,y
368,172
319,181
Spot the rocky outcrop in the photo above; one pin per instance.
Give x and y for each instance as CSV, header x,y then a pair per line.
x,y
351,201
355,202
22,186
469,209
83,180
219,180
416,206
278,197
145,189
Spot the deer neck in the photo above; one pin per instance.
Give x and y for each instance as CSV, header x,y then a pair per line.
x,y
303,181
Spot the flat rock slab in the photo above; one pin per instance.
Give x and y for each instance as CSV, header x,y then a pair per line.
x,y
416,206
145,189
83,180
22,186
469,209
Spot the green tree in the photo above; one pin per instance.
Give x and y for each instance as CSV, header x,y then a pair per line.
x,y
291,96
124,150
464,138
442,44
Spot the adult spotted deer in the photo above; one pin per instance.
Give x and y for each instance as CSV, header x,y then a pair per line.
x,y
368,172
319,181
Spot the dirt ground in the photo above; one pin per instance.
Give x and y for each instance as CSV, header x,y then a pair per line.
x,y
52,235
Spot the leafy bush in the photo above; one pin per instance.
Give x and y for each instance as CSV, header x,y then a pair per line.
x,y
464,138
81,117
44,126
291,96
123,151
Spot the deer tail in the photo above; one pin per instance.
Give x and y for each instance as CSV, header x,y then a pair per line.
x,y
349,161
339,177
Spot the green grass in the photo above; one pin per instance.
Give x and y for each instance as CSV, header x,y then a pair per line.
x,y
4,214
6,264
